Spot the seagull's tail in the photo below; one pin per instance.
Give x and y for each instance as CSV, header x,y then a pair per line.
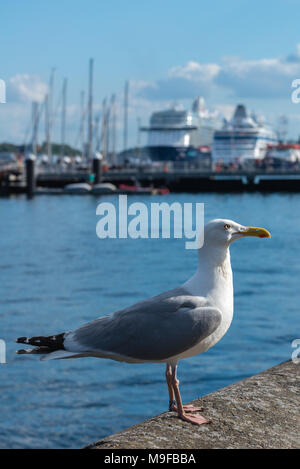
x,y
43,344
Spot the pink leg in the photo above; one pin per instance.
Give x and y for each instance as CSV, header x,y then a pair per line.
x,y
170,388
196,419
172,403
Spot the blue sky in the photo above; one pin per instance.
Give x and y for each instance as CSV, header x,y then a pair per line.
x,y
228,51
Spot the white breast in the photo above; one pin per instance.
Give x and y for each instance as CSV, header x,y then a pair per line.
x,y
216,285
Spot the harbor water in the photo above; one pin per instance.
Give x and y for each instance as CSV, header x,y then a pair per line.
x,y
57,274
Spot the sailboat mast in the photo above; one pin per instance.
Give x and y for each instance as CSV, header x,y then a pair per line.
x,y
63,118
90,113
138,133
49,117
107,133
82,116
103,129
47,124
125,115
113,128
35,120
97,132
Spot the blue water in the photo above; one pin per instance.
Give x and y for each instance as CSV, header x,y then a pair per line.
x,y
56,274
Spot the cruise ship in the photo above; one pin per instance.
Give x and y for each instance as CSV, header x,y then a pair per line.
x,y
242,139
180,135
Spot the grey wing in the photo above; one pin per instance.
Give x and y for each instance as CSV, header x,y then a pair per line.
x,y
152,330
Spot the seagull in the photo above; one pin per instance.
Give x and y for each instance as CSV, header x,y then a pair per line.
x,y
165,328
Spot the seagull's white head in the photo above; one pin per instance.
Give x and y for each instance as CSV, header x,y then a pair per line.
x,y
222,232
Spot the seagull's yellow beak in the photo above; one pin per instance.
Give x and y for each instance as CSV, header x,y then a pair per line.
x,y
255,231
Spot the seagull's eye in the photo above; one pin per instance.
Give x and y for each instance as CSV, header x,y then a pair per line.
x,y
227,227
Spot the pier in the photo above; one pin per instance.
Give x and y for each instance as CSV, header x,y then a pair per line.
x,y
15,179
258,412
193,180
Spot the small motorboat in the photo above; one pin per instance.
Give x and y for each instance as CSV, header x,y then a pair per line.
x,y
104,188
78,188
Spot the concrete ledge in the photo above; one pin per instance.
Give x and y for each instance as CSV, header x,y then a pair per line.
x,y
258,412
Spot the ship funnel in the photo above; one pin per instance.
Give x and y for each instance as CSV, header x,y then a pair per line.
x,y
240,112
198,105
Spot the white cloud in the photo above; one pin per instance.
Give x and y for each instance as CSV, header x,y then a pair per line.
x,y
195,71
264,78
182,82
261,78
25,87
